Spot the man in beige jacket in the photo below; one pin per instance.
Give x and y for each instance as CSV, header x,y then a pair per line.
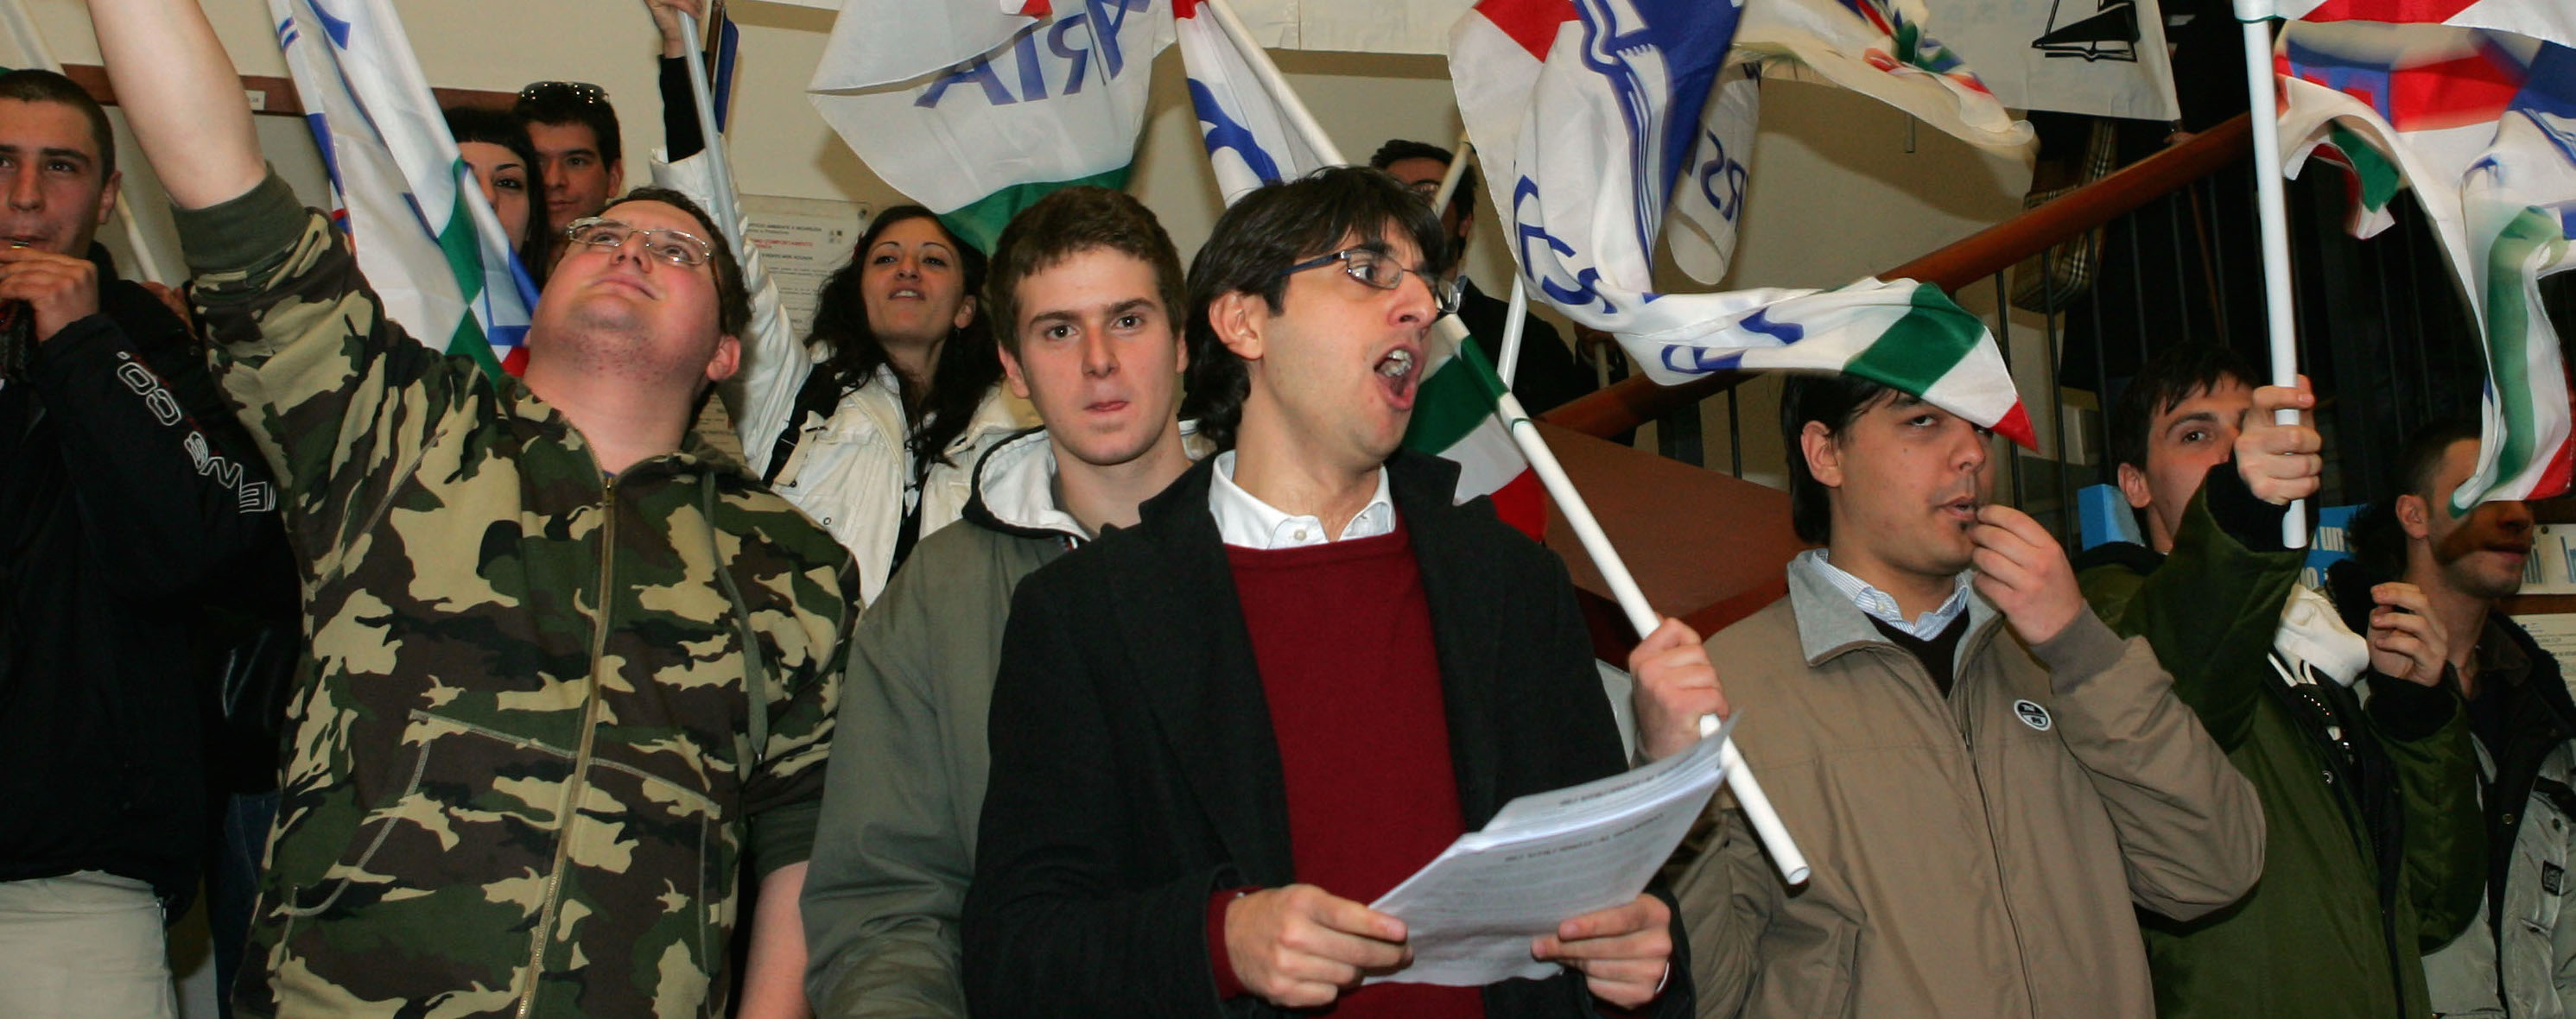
x,y
1984,778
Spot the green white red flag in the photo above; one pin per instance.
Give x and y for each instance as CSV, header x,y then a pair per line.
x,y
2482,127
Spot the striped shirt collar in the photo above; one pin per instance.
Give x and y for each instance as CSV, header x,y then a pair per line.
x,y
1880,605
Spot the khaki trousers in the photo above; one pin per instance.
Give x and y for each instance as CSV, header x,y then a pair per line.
x,y
83,945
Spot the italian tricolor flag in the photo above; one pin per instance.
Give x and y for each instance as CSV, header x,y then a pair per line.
x,y
2552,20
1584,152
1454,419
2477,124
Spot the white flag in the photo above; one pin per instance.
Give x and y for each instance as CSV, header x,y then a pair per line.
x,y
429,244
1060,102
1250,140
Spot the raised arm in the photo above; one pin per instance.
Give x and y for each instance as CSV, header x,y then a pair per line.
x,y
182,98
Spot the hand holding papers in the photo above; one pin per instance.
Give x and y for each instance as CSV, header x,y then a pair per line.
x,y
1471,914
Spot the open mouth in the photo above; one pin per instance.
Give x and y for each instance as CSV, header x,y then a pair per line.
x,y
905,294
1397,364
1963,508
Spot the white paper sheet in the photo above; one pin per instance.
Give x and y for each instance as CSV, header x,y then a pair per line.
x,y
1471,914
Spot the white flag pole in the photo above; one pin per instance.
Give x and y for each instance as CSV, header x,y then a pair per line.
x,y
21,25
1450,180
2256,17
1268,71
1578,515
719,174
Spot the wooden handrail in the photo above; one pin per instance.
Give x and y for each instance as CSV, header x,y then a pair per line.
x,y
1635,400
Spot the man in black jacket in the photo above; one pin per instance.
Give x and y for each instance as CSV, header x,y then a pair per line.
x,y
124,482
1302,675
2519,957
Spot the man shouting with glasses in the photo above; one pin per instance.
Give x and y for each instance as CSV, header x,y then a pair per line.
x,y
1301,675
569,669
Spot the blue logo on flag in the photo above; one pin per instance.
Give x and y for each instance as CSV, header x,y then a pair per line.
x,y
1225,133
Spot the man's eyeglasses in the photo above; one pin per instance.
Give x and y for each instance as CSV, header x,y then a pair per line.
x,y
674,246
577,91
1380,270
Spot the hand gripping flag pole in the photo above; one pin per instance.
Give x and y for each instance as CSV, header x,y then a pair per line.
x,y
2256,18
1614,571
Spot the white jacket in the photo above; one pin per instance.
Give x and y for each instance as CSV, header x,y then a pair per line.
x,y
849,469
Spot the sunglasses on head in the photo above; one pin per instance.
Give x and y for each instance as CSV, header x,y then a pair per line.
x,y
577,91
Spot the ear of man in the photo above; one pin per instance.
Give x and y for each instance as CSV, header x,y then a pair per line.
x,y
1237,318
726,359
1824,455
2133,486
2415,515
107,195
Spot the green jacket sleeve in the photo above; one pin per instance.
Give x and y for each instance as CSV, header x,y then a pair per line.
x,y
888,879
2426,736
2209,612
340,400
783,796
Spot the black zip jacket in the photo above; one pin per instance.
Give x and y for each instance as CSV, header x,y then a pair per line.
x,y
125,487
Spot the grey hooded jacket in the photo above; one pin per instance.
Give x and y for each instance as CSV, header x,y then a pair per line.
x,y
896,844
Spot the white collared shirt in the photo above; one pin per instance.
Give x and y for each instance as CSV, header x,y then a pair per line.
x,y
1246,522
1880,605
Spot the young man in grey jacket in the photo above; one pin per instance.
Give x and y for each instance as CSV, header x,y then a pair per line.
x,y
1085,286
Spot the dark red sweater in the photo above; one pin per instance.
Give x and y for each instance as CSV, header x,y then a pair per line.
x,y
1342,635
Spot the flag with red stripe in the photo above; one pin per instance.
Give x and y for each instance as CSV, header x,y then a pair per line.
x,y
1454,419
2546,20
2482,127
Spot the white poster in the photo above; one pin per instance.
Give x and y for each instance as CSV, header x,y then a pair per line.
x,y
801,241
2101,57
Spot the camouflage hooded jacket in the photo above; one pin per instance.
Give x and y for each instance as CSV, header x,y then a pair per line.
x,y
546,712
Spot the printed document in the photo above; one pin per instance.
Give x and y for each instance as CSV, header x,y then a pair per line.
x,y
1546,858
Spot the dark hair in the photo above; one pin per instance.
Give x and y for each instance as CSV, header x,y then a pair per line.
x,y
1399,149
1067,223
572,102
505,129
733,303
2175,374
33,85
2375,536
1250,250
1837,400
967,366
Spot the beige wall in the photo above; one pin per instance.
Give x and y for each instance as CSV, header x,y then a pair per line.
x,y
1840,186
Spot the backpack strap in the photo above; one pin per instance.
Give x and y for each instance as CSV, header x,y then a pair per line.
x,y
821,391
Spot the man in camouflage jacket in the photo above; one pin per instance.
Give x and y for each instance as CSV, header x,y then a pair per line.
x,y
569,667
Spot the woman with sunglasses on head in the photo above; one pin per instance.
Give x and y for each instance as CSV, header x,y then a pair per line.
x,y
874,428
495,144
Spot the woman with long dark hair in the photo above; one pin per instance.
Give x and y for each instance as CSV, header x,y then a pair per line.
x,y
495,144
874,428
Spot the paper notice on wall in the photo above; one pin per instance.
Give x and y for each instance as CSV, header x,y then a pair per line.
x,y
2552,566
2101,57
802,240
